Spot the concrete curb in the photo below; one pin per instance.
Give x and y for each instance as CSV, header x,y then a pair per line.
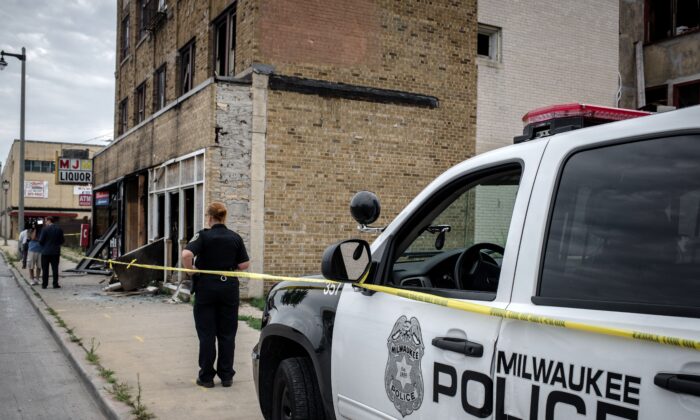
x,y
88,373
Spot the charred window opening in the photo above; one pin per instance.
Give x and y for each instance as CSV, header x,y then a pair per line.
x,y
123,117
146,12
159,88
140,109
656,95
225,43
666,19
187,67
687,94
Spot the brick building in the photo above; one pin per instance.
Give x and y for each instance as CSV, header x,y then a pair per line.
x,y
540,54
43,195
282,110
660,53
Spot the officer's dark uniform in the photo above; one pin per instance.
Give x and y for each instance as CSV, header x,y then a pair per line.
x,y
216,298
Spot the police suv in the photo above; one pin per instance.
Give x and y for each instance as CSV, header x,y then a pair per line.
x,y
597,227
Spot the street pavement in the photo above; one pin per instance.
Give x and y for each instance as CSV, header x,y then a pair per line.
x,y
156,340
36,379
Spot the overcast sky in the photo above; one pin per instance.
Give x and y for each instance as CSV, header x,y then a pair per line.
x,y
70,70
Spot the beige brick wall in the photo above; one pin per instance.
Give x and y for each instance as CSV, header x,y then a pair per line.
x,y
178,131
321,151
554,52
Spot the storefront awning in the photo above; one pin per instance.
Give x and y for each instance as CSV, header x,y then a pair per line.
x,y
46,213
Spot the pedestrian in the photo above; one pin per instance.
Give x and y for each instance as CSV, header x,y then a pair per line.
x,y
51,239
22,246
34,257
216,296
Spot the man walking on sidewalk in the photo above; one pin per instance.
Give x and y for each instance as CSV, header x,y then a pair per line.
x,y
50,240
22,246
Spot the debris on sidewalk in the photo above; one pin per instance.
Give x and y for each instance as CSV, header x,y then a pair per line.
x,y
112,287
133,278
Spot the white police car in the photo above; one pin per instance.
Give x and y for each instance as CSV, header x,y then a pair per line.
x,y
599,226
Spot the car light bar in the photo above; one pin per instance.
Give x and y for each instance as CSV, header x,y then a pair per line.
x,y
581,110
555,119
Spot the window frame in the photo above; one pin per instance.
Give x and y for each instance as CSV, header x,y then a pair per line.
x,y
611,306
228,20
125,43
123,122
145,10
495,41
388,254
140,103
673,5
30,165
159,92
677,86
188,48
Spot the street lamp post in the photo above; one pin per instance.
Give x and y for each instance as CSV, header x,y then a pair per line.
x,y
5,187
23,58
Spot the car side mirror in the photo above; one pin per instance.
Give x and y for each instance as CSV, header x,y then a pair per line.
x,y
346,261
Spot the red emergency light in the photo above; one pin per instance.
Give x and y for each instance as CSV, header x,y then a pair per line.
x,y
554,119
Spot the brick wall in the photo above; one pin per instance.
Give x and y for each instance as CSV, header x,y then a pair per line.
x,y
320,151
554,52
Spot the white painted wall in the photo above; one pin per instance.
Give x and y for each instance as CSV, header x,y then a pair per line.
x,y
553,51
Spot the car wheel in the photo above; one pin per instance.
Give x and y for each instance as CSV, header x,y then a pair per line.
x,y
295,394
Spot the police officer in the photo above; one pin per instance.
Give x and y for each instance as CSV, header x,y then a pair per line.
x,y
216,296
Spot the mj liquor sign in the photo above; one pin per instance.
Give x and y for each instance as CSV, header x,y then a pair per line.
x,y
73,171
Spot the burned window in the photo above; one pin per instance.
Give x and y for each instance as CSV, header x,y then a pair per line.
x,y
656,95
187,67
159,88
140,105
687,94
125,37
666,19
225,43
488,42
123,117
146,11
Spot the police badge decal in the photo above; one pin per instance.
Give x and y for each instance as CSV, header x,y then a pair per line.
x,y
403,379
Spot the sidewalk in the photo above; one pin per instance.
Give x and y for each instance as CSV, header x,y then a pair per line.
x,y
149,337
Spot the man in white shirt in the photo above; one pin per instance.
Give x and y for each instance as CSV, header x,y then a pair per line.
x,y
22,246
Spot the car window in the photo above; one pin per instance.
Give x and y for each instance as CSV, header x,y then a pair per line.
x,y
625,228
475,211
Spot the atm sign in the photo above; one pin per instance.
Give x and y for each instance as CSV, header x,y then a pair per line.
x,y
73,171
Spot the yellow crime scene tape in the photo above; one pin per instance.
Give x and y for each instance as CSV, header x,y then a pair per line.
x,y
441,301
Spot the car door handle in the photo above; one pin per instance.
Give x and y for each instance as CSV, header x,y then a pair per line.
x,y
459,345
680,383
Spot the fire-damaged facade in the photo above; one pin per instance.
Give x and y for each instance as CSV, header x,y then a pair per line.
x,y
280,110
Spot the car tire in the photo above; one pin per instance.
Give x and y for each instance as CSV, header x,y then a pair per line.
x,y
295,393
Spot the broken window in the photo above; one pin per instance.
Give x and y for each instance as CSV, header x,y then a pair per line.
x,y
666,19
187,67
123,117
225,39
488,42
125,37
656,95
687,94
140,103
159,88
